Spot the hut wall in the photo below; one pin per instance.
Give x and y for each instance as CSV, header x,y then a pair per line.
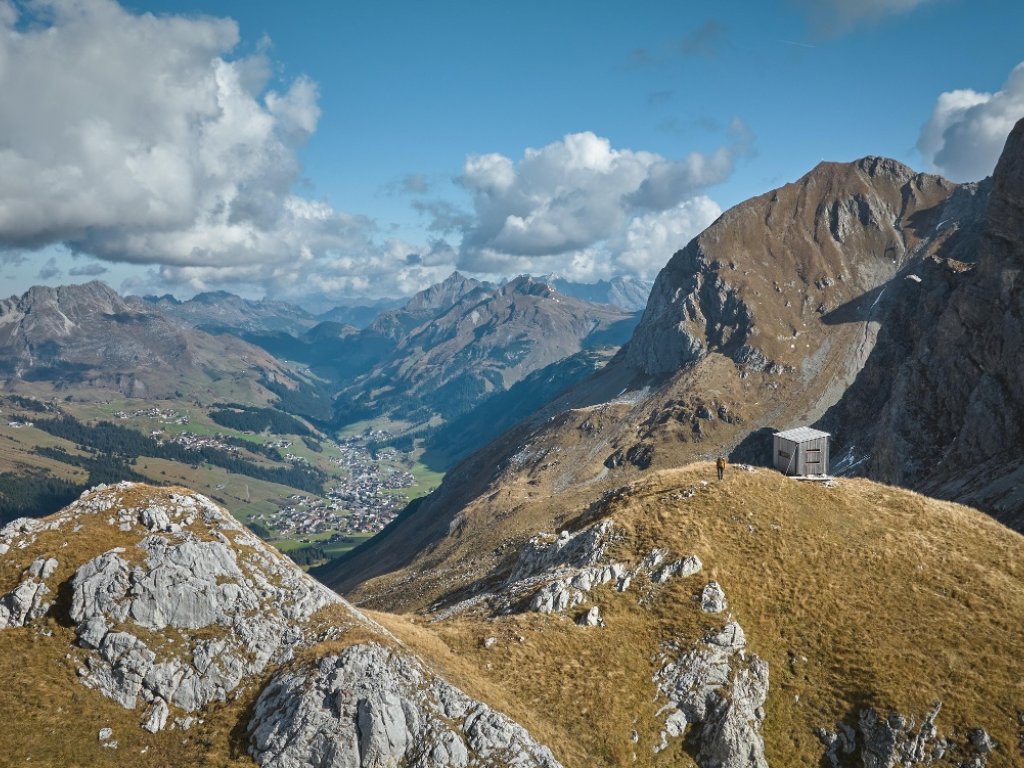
x,y
812,457
786,455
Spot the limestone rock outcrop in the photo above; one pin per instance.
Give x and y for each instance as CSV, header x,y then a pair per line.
x,y
24,603
186,575
556,573
176,606
896,740
718,686
370,706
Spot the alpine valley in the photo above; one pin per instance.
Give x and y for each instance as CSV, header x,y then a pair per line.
x,y
557,578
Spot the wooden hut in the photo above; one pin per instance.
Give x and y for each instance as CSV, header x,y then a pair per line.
x,y
802,452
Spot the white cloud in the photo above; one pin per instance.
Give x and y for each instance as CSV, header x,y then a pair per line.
x,y
648,242
582,208
92,269
139,138
146,140
966,132
50,270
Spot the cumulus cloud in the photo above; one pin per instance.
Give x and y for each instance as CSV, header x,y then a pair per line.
x,y
147,139
649,240
831,17
582,208
141,138
967,129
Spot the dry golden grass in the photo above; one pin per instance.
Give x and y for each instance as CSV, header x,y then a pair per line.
x,y
51,719
879,596
859,594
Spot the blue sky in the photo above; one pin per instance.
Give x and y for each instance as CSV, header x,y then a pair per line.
x,y
392,140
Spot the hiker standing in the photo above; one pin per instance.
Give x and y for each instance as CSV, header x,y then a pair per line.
x,y
720,466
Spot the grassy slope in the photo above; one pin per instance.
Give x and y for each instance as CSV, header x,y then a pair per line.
x,y
894,599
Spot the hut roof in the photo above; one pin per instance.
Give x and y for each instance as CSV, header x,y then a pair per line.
x,y
801,434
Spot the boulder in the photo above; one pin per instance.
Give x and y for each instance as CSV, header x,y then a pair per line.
x,y
23,604
712,598
156,716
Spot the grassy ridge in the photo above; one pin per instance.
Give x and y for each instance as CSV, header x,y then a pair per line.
x,y
856,595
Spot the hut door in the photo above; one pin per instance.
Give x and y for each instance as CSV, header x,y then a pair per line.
x,y
812,461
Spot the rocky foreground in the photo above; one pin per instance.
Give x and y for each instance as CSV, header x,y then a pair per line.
x,y
672,622
160,602
752,622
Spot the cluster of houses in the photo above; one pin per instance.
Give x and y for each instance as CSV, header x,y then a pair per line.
x,y
363,500
194,442
164,416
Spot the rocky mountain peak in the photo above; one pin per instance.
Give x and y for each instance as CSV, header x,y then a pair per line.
x,y
875,166
1004,222
213,297
442,295
527,285
73,302
771,266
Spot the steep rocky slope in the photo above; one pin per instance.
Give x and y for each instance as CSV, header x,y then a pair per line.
x,y
758,621
877,303
145,626
482,343
87,339
953,422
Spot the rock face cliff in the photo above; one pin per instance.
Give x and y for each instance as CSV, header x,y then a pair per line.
x,y
954,423
757,280
162,604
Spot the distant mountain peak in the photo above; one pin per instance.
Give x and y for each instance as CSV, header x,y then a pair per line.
x,y
528,285
444,294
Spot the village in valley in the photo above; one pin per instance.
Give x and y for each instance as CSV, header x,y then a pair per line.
x,y
362,493
361,500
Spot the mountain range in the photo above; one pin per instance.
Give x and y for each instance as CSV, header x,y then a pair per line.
x,y
881,304
582,590
484,340
87,340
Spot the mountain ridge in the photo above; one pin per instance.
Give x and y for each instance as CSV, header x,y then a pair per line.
x,y
89,336
708,369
